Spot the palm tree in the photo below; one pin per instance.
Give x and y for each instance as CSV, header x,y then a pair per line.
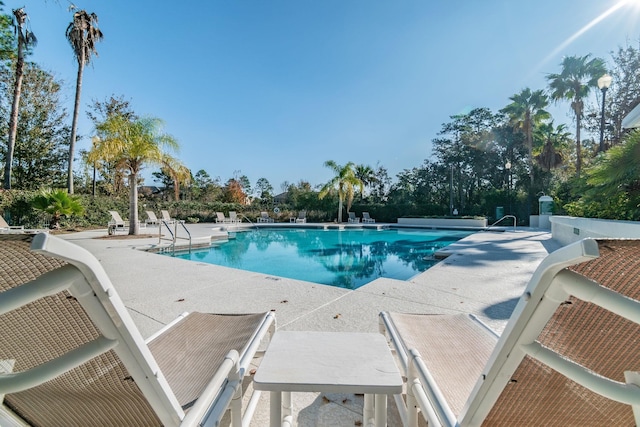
x,y
366,175
178,172
578,76
131,145
525,112
554,139
57,203
25,39
344,181
83,34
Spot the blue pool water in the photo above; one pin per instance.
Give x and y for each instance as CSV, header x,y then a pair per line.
x,y
347,258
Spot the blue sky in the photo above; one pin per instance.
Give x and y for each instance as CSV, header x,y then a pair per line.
x,y
274,88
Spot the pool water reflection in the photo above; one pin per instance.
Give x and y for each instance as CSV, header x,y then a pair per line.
x,y
347,259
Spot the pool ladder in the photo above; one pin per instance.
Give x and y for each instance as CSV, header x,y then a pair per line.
x,y
173,233
504,217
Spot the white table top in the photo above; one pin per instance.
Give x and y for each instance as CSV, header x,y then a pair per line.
x,y
339,362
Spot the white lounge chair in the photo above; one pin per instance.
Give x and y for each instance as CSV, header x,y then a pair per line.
x,y
264,217
152,218
166,217
353,219
569,354
71,354
302,217
6,228
233,218
366,219
221,218
116,223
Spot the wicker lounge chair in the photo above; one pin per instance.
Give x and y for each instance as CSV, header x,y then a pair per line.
x,y
353,219
568,356
72,356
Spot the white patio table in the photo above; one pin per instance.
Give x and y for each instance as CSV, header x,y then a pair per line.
x,y
337,362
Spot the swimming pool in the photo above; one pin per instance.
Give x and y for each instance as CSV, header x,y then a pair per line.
x,y
346,258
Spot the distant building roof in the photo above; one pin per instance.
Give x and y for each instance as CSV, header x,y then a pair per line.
x,y
281,198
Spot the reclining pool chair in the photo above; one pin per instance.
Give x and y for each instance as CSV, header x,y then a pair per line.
x,y
71,355
116,222
6,228
569,356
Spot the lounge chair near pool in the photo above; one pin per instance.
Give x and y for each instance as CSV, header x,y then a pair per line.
x,y
152,218
71,354
221,218
366,219
166,217
568,355
353,219
116,223
6,228
264,217
233,218
302,217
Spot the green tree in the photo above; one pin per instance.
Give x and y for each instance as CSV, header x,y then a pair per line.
x,y
344,181
265,190
618,173
113,178
179,173
25,39
550,154
578,76
132,145
366,175
525,112
41,145
624,93
7,36
83,34
57,203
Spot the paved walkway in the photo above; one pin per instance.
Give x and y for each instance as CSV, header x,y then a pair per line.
x,y
483,274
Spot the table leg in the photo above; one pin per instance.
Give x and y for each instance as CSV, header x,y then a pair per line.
x,y
368,411
381,410
275,409
287,412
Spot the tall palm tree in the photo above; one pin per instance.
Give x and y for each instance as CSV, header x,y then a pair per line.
x,y
578,76
178,172
554,139
131,145
366,175
25,39
344,181
527,110
83,34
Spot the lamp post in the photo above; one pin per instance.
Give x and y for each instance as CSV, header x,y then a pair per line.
x,y
507,166
603,83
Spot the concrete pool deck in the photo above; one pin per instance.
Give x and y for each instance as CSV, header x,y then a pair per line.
x,y
483,274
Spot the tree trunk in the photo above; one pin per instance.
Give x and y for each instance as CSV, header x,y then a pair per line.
x,y
13,120
133,204
577,106
74,123
340,209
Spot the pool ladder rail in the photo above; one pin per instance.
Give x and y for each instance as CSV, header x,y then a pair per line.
x,y
504,217
173,233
